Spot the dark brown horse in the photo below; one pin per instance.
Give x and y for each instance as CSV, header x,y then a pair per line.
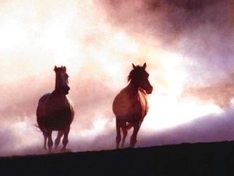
x,y
130,105
55,112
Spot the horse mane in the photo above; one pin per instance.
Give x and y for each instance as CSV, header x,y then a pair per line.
x,y
132,74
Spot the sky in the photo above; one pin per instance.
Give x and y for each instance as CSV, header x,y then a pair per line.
x,y
187,44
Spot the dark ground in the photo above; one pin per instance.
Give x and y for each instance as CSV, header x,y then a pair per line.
x,y
185,159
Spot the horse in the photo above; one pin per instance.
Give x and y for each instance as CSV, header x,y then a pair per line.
x,y
130,105
55,111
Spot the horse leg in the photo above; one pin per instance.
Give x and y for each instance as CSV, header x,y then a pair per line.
x,y
125,132
57,140
50,142
133,140
65,138
45,139
118,133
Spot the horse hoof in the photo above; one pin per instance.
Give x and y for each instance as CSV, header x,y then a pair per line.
x,y
65,150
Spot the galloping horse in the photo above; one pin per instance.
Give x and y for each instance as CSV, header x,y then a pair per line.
x,y
130,105
55,112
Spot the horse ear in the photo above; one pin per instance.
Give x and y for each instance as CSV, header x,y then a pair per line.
x,y
144,66
133,66
55,68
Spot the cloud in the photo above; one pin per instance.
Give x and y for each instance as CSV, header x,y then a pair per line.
x,y
201,31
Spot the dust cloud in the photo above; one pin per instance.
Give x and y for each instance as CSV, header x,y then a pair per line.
x,y
181,41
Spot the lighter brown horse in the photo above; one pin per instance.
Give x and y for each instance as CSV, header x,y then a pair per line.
x,y
130,105
55,111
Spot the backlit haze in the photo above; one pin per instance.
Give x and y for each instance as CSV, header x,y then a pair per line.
x,y
187,45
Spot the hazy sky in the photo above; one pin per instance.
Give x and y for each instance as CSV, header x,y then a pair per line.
x,y
185,43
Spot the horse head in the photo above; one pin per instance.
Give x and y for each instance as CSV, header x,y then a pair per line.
x,y
61,80
139,78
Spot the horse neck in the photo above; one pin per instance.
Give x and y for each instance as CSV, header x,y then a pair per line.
x,y
57,85
56,94
58,99
132,88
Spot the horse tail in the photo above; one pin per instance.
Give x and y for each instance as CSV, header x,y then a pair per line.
x,y
38,128
128,125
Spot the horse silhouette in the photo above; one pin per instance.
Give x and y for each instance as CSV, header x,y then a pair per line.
x,y
55,111
130,105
